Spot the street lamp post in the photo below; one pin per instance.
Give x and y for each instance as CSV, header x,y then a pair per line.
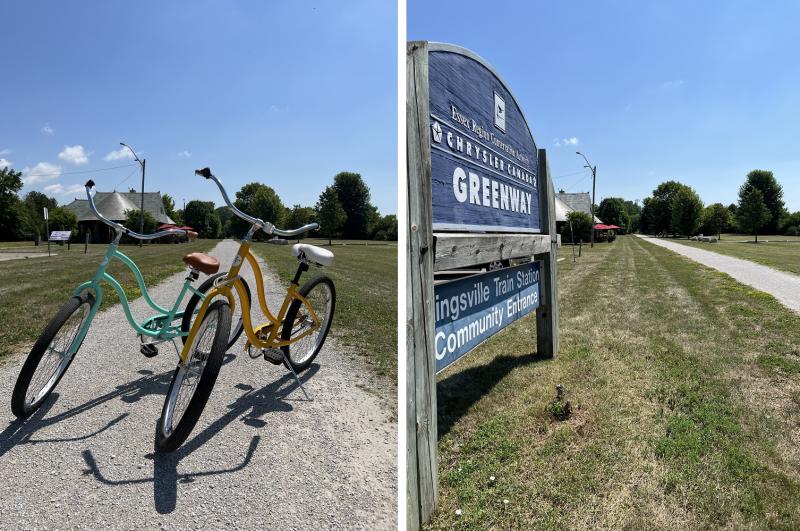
x,y
141,203
591,206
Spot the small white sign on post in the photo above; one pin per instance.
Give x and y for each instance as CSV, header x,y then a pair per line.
x,y
60,235
45,214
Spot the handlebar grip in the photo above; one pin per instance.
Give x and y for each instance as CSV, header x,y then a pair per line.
x,y
89,183
203,172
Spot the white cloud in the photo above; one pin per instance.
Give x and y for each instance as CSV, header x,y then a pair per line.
x,y
60,189
5,152
185,154
571,141
5,163
74,155
672,84
120,154
42,172
47,130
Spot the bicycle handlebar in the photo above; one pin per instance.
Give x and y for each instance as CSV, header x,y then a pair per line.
x,y
266,226
89,185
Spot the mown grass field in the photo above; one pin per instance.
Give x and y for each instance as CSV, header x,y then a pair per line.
x,y
32,290
685,387
365,277
777,254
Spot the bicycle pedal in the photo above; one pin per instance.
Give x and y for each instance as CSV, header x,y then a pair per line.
x,y
273,355
148,350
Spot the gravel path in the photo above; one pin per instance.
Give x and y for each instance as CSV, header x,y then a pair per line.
x,y
260,457
783,286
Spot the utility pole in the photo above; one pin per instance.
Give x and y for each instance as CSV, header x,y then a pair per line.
x,y
591,206
141,203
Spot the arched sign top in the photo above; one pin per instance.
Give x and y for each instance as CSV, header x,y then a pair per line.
x,y
484,164
452,48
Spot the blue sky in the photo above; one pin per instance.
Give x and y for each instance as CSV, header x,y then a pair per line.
x,y
284,93
700,92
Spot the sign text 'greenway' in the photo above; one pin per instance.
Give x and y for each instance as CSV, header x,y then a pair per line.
x,y
483,157
469,310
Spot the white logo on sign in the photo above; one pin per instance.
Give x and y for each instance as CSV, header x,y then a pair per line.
x,y
437,132
499,113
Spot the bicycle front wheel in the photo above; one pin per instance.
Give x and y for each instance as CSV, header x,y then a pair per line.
x,y
237,318
300,325
51,355
194,380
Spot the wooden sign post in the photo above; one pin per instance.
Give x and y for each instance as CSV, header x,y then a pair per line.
x,y
479,192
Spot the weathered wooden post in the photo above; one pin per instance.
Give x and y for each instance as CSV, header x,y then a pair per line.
x,y
479,192
421,429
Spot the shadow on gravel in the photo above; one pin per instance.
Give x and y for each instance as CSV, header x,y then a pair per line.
x,y
458,392
21,431
250,407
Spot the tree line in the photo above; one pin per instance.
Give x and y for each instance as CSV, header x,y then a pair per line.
x,y
676,209
22,218
344,210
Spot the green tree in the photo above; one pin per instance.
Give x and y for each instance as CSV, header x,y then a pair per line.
x,y
132,221
201,216
580,229
63,219
32,216
331,215
10,184
790,220
299,216
716,218
260,201
752,212
612,211
226,216
354,198
772,192
169,205
687,211
657,210
386,228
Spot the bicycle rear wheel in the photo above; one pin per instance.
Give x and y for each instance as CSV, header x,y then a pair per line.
x,y
193,381
321,295
50,356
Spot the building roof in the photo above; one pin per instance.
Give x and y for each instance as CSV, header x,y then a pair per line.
x,y
576,202
114,204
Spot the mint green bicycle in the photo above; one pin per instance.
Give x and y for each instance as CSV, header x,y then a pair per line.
x,y
60,341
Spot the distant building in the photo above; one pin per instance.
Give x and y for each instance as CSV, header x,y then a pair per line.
x,y
113,206
580,202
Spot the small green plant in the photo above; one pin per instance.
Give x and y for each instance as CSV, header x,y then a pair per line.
x,y
559,409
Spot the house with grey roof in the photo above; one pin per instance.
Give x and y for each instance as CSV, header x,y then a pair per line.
x,y
580,202
113,206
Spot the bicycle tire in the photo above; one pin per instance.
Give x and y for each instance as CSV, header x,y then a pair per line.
x,y
236,328
169,435
22,403
303,360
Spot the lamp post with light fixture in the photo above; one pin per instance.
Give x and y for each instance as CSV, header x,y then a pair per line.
x,y
141,203
591,207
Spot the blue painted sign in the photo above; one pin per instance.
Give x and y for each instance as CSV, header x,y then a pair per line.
x,y
484,164
471,309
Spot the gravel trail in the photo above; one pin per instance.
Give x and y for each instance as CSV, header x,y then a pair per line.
x,y
783,286
261,456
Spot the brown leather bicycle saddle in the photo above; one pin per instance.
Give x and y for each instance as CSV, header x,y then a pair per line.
x,y
202,262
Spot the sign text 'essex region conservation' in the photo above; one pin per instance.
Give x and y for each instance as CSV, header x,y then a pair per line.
x,y
483,157
469,310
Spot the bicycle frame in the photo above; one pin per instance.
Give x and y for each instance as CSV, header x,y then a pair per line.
x,y
158,326
232,281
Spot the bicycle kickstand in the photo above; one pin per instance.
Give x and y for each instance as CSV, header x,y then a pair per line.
x,y
297,378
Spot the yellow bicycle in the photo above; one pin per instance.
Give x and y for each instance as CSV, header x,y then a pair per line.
x,y
293,337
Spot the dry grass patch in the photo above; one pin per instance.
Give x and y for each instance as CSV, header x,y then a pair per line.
x,y
661,435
